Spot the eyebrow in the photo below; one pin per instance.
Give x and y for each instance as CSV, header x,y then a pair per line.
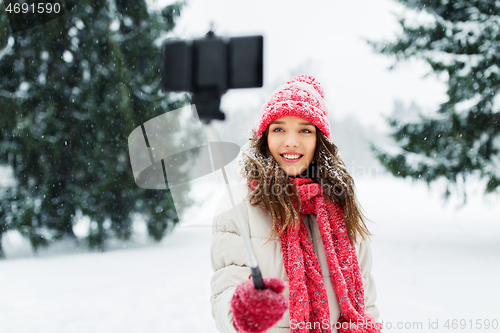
x,y
280,122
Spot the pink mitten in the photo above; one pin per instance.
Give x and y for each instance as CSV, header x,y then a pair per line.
x,y
254,311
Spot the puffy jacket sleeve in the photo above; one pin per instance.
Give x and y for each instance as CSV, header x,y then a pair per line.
x,y
365,265
228,260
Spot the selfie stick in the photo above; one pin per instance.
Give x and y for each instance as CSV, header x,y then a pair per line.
x,y
252,261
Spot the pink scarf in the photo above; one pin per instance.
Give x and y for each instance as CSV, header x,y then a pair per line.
x,y
308,298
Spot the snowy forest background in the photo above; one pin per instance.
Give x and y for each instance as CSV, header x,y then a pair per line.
x,y
85,249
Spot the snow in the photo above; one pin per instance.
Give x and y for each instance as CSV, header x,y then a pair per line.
x,y
431,262
154,289
8,48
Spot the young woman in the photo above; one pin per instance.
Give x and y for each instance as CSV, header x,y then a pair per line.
x,y
306,228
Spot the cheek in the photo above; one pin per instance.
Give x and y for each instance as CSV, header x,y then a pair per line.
x,y
311,147
272,145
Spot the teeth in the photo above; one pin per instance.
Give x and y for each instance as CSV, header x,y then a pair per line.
x,y
291,157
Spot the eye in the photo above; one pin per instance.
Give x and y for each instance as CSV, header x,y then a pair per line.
x,y
277,129
306,131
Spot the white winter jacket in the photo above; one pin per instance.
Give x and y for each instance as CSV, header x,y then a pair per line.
x,y
230,266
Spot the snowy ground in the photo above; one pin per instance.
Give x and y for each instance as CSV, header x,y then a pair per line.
x,y
431,262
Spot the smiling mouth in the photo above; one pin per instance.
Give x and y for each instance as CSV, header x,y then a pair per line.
x,y
291,157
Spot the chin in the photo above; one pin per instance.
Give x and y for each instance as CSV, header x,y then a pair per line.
x,y
294,174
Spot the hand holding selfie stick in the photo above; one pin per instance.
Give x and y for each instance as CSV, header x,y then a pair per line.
x,y
252,261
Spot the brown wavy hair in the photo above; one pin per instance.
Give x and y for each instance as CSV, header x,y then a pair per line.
x,y
275,191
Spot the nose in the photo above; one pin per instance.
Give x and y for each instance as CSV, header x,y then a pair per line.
x,y
291,140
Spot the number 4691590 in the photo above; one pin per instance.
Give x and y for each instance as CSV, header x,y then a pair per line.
x,y
478,324
40,9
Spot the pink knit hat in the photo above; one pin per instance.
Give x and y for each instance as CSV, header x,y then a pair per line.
x,y
302,96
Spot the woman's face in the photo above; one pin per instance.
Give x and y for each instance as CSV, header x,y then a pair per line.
x,y
292,142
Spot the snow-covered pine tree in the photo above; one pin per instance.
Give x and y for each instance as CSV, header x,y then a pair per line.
x,y
71,91
460,39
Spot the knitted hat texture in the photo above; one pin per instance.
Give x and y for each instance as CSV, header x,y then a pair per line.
x,y
302,96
